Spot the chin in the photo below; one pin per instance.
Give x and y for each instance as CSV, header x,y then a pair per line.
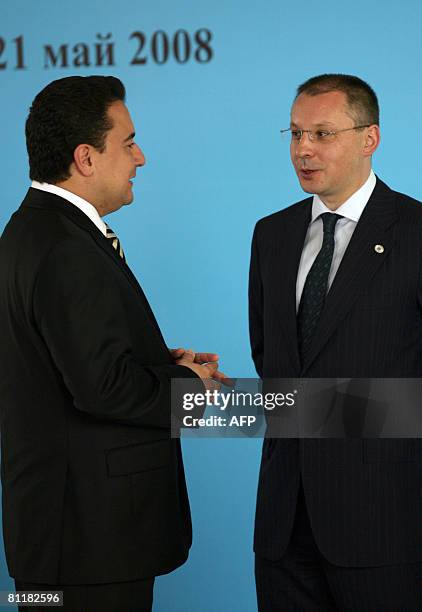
x,y
307,188
128,200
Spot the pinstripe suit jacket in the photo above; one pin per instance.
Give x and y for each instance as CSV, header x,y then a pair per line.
x,y
364,497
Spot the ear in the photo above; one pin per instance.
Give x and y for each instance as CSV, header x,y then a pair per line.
x,y
372,140
82,158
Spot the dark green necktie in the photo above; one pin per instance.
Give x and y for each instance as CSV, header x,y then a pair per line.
x,y
315,288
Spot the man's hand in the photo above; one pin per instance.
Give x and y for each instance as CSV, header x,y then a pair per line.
x,y
205,365
200,358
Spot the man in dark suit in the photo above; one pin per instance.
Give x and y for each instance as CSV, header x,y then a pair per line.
x,y
94,494
335,291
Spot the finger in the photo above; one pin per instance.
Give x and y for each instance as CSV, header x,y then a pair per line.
x,y
205,357
224,379
177,352
211,385
189,355
219,374
211,368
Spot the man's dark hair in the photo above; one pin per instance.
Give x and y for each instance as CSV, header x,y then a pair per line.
x,y
67,113
361,98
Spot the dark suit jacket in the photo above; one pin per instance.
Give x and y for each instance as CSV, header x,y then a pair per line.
x,y
93,485
364,497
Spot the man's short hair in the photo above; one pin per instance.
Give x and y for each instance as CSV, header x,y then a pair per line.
x,y
66,113
361,98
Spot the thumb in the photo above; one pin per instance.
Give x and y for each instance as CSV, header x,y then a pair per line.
x,y
189,355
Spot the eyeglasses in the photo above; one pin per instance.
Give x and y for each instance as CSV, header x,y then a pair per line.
x,y
320,136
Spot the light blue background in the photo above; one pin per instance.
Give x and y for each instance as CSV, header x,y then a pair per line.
x,y
215,164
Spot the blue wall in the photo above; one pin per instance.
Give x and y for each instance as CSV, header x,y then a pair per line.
x,y
215,164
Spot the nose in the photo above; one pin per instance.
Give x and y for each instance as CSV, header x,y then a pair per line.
x,y
303,148
138,156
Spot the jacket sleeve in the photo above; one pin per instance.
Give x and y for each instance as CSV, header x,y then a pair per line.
x,y
256,327
82,321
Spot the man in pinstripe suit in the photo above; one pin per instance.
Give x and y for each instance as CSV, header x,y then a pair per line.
x,y
338,522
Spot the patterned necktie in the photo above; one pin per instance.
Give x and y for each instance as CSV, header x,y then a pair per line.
x,y
315,288
115,242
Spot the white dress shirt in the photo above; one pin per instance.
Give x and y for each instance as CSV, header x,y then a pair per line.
x,y
351,210
80,203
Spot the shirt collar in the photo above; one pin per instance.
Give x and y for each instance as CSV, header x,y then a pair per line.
x,y
351,208
82,204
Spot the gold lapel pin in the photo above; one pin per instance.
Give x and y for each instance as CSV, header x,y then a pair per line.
x,y
378,248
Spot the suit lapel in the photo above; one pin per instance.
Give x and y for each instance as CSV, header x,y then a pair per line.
x,y
292,251
36,198
359,264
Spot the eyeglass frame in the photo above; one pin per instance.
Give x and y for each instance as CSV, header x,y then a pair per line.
x,y
311,133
